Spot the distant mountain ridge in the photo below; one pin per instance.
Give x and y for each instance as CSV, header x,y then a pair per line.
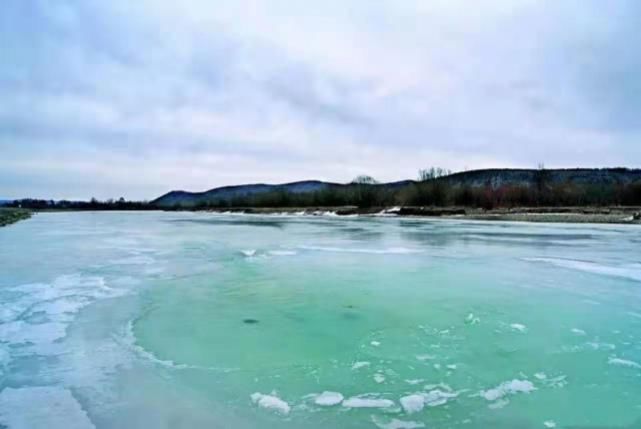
x,y
227,193
493,178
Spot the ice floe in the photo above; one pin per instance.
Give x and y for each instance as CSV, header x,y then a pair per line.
x,y
424,357
556,382
439,386
412,403
366,401
508,388
623,362
437,397
417,401
471,319
270,402
379,378
328,399
360,364
518,327
600,346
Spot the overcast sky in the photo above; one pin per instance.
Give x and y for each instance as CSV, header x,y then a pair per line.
x,y
135,98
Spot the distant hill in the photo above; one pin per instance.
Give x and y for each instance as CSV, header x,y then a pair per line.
x,y
228,193
487,178
497,177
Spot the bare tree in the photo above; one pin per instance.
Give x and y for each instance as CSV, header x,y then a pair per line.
x,y
432,173
364,180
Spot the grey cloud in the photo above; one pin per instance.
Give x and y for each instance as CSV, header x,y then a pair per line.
x,y
381,88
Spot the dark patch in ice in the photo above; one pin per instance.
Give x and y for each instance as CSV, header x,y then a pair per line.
x,y
350,316
250,321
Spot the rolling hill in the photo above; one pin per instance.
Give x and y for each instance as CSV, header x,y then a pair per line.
x,y
492,178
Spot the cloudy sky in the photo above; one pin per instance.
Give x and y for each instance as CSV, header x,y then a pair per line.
x,y
134,98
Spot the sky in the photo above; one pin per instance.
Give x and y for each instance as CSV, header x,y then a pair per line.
x,y
135,98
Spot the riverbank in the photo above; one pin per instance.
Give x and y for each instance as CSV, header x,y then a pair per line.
x,y
613,215
10,215
598,215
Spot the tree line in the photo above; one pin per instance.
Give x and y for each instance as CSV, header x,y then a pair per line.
x,y
93,204
433,188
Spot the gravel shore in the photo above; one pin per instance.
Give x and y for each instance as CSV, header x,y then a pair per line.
x,y
617,218
613,215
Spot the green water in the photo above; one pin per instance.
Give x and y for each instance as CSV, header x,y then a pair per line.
x,y
183,320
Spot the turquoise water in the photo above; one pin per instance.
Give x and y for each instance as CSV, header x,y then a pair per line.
x,y
194,320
